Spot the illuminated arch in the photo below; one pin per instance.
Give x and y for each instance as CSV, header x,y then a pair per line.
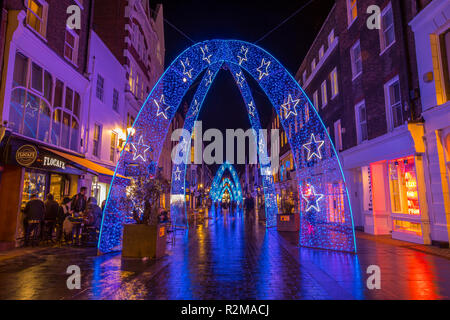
x,y
223,192
217,184
178,210
235,189
326,219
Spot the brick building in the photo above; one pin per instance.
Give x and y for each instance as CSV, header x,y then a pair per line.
x,y
364,84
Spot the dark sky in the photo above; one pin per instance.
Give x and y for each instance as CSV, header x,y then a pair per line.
x,y
248,21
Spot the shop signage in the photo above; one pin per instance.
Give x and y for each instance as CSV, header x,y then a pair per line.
x,y
53,162
26,155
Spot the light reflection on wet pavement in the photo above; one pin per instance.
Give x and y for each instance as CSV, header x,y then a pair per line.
x,y
228,258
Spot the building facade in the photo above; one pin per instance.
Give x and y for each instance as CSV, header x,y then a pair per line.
x,y
431,28
364,84
43,98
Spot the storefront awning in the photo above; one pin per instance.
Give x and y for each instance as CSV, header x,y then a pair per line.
x,y
86,163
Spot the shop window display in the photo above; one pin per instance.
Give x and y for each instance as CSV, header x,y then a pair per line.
x,y
403,186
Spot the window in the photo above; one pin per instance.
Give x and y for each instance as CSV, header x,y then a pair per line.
x,y
331,38
71,46
130,79
316,100
115,105
36,77
304,77
113,146
352,11
324,93
37,16
20,70
96,140
321,52
334,83
40,112
393,103
440,51
338,135
355,56
313,65
361,122
100,87
387,31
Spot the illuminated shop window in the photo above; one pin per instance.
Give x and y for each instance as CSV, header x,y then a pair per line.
x,y
408,227
403,186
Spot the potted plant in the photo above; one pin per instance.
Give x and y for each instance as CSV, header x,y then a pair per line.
x,y
145,237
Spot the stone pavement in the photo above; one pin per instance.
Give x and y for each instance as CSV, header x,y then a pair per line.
x,y
229,258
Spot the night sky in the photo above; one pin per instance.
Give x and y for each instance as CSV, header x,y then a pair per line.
x,y
248,21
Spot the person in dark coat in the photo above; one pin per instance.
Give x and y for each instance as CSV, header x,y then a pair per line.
x,y
50,216
33,216
63,213
93,213
79,201
249,206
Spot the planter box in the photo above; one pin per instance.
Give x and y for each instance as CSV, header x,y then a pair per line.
x,y
140,241
288,222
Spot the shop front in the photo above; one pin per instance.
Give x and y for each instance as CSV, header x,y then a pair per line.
x,y
386,184
30,169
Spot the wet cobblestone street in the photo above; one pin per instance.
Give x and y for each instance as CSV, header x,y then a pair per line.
x,y
226,258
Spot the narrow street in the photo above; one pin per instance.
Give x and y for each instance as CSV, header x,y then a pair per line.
x,y
227,258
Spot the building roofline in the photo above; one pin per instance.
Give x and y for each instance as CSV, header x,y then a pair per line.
x,y
316,38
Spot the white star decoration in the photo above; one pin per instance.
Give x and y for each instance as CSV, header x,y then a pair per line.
x,y
177,173
209,78
195,110
288,108
140,149
316,198
186,71
251,108
242,56
319,143
264,64
240,79
161,109
205,50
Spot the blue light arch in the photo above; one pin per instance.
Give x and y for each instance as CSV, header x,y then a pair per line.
x,y
326,218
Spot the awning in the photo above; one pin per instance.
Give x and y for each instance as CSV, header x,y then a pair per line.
x,y
86,163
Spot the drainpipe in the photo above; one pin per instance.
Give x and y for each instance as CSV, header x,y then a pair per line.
x,y
407,63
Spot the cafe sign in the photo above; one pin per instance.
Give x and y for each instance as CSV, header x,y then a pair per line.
x,y
53,162
26,155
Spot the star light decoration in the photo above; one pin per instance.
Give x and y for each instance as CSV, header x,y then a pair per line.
x,y
264,64
317,143
186,71
209,78
140,149
314,202
289,106
195,109
251,108
206,57
177,174
162,111
240,79
242,56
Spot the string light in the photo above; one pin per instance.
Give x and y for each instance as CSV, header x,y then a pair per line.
x,y
317,228
140,150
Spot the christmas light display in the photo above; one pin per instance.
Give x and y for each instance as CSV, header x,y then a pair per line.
x,y
220,181
297,116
